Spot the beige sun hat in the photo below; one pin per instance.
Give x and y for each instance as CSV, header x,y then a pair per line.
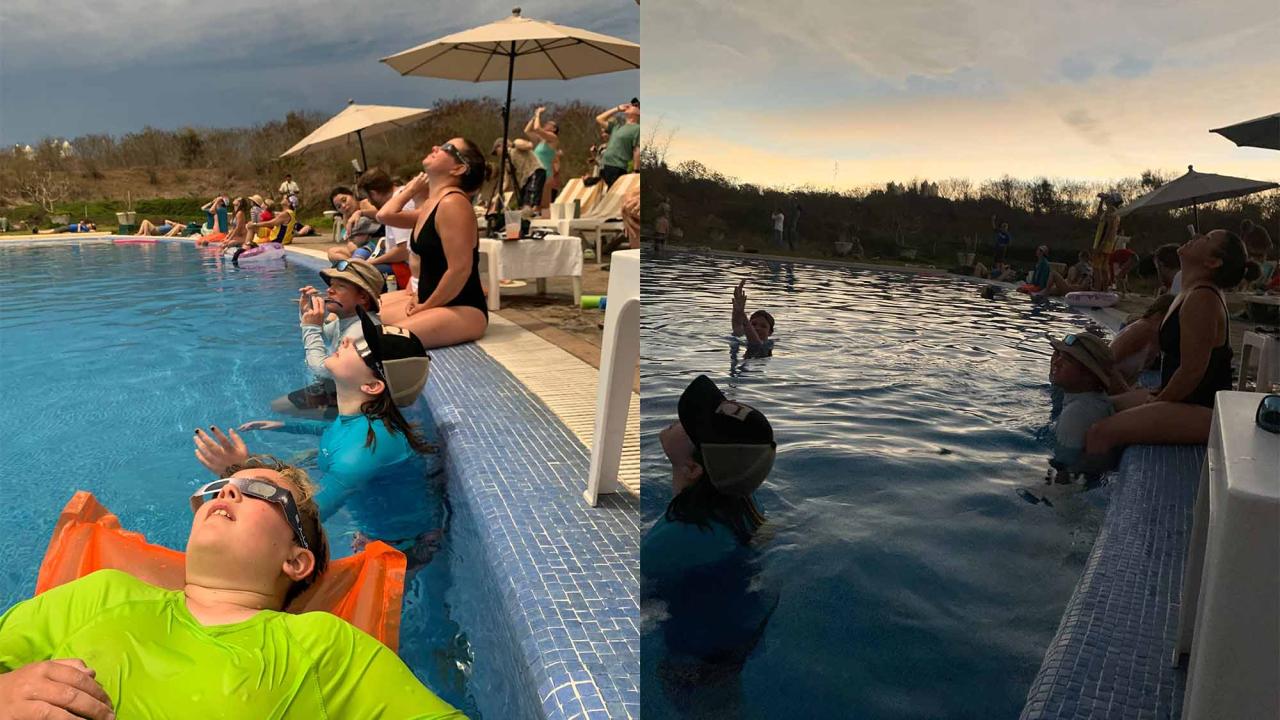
x,y
1089,350
360,273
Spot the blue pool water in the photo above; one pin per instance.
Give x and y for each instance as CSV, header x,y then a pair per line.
x,y
112,355
913,581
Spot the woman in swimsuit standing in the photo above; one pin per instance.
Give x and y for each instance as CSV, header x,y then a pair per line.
x,y
1195,355
444,303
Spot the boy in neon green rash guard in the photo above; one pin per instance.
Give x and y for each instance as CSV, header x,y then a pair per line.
x,y
110,645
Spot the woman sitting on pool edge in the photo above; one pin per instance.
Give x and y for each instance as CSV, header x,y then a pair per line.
x,y
128,648
444,303
696,557
1195,361
369,450
757,329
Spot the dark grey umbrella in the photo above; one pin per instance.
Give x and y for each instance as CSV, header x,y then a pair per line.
x,y
1263,132
1195,188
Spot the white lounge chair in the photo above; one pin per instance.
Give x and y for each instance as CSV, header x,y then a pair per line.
x,y
575,191
605,215
619,358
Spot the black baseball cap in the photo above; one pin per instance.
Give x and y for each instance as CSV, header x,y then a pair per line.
x,y
735,440
397,355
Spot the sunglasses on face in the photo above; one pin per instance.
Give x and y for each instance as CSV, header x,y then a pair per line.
x,y
1268,417
455,154
261,490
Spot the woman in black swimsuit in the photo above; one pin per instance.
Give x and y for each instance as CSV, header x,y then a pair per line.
x,y
444,304
1195,355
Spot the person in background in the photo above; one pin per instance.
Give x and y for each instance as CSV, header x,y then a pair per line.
x,y
1002,239
290,190
1137,346
1043,272
779,228
350,212
1258,244
525,173
167,228
80,227
1122,261
623,149
1168,269
545,135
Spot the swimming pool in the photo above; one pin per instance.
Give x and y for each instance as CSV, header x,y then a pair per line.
x,y
913,579
112,356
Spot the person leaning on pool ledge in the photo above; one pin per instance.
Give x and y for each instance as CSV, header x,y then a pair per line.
x,y
696,557
124,647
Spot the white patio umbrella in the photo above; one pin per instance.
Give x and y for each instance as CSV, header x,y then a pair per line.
x,y
1263,132
517,48
360,121
1195,188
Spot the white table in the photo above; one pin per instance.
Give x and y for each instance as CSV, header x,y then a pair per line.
x,y
1230,615
553,256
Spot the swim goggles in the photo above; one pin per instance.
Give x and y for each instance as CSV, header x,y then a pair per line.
x,y
260,489
1268,417
455,154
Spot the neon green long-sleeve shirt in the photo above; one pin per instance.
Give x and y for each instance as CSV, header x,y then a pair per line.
x,y
155,660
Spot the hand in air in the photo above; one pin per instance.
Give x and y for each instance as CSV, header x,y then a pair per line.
x,y
740,297
261,425
219,452
53,689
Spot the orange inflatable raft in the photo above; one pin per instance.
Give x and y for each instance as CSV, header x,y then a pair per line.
x,y
365,589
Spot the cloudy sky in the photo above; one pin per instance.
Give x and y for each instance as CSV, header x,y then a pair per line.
x,y
114,66
780,93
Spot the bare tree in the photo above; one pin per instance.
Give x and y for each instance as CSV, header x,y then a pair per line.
x,y
43,187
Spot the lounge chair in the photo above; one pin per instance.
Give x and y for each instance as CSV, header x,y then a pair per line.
x,y
605,215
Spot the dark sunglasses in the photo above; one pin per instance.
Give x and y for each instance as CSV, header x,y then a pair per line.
x,y
455,154
1268,417
260,489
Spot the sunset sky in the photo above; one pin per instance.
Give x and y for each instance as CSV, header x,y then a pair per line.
x,y
779,93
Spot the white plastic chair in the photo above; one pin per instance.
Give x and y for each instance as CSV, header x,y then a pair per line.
x,y
619,358
1267,348
605,215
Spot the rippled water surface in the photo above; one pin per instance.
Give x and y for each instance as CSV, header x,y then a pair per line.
x,y
913,579
111,356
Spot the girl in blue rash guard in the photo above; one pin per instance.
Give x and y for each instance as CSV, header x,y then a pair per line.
x,y
372,460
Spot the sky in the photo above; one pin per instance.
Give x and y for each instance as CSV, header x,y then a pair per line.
x,y
115,66
843,94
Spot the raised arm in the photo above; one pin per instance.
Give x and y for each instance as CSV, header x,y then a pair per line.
x,y
603,118
739,312
393,212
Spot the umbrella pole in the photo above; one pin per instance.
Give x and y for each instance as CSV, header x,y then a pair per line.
x,y
506,123
1196,208
364,163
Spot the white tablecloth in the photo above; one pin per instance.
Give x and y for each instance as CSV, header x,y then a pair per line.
x,y
554,256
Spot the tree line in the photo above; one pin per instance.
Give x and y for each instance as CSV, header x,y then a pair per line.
x,y
931,219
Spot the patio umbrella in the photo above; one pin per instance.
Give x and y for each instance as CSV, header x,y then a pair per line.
x,y
1263,132
358,120
1195,188
517,48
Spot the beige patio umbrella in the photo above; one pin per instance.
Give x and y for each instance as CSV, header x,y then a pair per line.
x,y
358,120
517,48
1195,188
1263,132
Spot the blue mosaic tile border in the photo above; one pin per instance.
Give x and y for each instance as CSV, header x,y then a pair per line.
x,y
1111,657
562,575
